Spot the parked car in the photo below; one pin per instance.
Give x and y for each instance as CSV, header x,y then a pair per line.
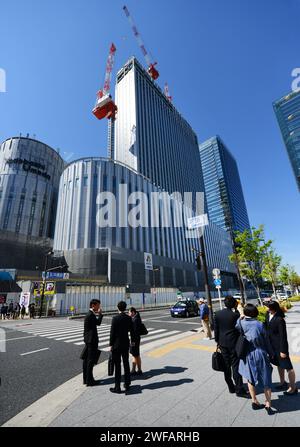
x,y
185,308
282,295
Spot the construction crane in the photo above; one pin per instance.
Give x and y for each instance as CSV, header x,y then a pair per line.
x,y
105,106
151,65
167,93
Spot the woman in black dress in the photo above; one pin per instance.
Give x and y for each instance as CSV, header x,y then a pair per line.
x,y
276,328
135,350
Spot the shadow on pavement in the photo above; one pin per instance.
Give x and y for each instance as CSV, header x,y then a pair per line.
x,y
137,389
157,372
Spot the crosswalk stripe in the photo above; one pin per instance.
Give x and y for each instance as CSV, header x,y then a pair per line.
x,y
76,336
103,344
61,330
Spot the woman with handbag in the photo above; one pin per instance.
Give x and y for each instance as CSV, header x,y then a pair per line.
x,y
135,350
255,367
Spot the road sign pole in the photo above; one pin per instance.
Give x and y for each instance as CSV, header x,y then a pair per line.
x,y
220,298
207,290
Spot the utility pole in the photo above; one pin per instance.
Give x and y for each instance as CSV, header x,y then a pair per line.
x,y
153,271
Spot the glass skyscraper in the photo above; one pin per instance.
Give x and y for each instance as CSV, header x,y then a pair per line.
x,y
287,110
223,190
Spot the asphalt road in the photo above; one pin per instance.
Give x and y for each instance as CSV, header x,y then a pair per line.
x,y
48,363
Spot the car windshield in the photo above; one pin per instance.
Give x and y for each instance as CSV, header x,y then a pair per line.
x,y
180,304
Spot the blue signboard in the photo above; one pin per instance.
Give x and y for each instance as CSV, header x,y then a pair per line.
x,y
217,282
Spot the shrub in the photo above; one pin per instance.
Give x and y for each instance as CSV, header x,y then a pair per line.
x,y
262,313
295,298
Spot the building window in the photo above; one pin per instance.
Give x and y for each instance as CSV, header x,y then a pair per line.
x,y
7,213
20,212
31,217
42,218
85,180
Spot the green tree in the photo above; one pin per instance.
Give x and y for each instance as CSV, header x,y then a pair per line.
x,y
289,277
270,268
251,250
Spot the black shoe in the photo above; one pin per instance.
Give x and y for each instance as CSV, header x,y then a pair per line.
x,y
115,390
133,372
231,390
256,406
269,411
243,394
283,386
139,372
93,383
291,393
127,387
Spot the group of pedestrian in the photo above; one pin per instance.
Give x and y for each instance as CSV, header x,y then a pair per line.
x,y
122,325
267,344
14,311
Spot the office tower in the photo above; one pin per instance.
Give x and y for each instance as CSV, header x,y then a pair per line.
x,y
151,136
223,190
287,110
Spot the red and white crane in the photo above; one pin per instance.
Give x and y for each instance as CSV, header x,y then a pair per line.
x,y
167,93
105,106
151,65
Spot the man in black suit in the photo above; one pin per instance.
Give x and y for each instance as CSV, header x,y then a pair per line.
x,y
91,340
119,345
226,337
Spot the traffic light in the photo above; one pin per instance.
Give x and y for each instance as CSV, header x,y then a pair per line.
x,y
199,263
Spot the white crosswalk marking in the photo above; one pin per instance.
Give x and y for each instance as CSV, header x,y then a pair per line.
x,y
72,332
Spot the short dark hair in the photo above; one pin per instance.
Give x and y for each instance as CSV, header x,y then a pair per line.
x,y
122,306
133,309
250,311
230,302
94,301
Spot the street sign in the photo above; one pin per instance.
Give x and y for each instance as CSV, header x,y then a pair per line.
x,y
148,261
55,275
216,273
197,221
217,282
218,287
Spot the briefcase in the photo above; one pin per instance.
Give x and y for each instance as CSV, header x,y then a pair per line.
x,y
111,365
218,363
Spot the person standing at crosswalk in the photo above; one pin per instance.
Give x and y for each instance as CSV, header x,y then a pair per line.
x,y
91,340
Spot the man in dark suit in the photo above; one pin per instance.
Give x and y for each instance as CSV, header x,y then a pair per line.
x,y
226,337
91,340
119,345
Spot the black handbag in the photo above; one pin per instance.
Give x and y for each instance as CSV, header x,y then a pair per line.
x,y
111,365
143,330
242,345
217,361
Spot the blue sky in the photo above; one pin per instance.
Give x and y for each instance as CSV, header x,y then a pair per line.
x,y
225,62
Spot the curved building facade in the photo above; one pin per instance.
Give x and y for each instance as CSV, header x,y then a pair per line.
x,y
117,251
97,199
29,180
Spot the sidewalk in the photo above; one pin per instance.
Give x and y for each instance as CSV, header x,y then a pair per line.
x,y
179,388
